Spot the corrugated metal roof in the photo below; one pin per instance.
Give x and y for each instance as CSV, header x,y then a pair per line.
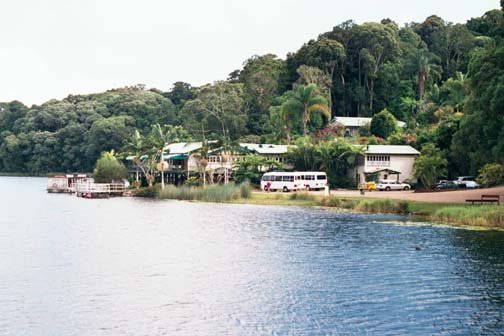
x,y
391,149
266,148
352,121
359,121
182,147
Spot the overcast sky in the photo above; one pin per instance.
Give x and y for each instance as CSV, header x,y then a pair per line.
x,y
52,48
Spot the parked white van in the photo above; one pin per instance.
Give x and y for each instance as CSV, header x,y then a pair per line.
x,y
313,180
292,181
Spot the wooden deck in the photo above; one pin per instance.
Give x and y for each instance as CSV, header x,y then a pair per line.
x,y
99,190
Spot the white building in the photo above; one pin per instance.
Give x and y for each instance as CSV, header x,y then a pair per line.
x,y
184,158
384,162
271,152
352,124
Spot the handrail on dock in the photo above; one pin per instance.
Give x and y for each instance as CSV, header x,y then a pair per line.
x,y
100,188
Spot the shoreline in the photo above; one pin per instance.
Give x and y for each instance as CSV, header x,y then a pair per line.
x,y
488,217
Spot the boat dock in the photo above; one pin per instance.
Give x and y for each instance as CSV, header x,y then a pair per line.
x,y
90,189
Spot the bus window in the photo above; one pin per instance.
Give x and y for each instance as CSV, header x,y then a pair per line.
x,y
266,178
288,178
321,177
278,178
309,177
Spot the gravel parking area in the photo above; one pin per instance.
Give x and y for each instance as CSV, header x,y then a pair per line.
x,y
455,196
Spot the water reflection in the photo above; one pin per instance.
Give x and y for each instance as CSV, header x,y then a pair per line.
x,y
128,266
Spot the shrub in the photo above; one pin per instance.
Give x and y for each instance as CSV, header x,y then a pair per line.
x,y
300,196
492,174
109,169
336,202
333,202
147,192
245,190
430,165
192,181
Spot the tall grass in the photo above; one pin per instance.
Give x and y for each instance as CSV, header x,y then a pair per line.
x,y
382,206
337,202
490,216
217,193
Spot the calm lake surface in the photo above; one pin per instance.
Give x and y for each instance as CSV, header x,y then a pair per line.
x,y
126,266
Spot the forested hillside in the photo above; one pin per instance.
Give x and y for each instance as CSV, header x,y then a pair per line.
x,y
446,81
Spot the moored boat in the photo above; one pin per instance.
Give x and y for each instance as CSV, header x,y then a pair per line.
x,y
64,183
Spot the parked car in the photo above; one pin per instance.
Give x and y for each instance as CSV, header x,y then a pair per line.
x,y
462,182
392,185
445,185
471,185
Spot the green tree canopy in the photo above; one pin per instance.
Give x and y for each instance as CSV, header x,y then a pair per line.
x,y
430,166
109,169
383,124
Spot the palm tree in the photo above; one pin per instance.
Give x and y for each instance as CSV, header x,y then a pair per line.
x,y
457,91
138,149
305,100
325,155
352,153
202,160
159,137
425,63
158,141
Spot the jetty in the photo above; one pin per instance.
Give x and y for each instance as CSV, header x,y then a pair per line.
x,y
90,189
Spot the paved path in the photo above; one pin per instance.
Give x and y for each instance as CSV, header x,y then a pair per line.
x,y
456,196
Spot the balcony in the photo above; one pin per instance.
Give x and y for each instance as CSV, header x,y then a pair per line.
x,y
377,163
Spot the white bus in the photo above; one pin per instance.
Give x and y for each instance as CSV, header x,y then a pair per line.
x,y
285,181
292,181
314,180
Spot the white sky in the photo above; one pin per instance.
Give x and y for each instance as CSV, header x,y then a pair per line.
x,y
52,48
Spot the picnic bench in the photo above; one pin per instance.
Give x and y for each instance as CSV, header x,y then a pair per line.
x,y
485,199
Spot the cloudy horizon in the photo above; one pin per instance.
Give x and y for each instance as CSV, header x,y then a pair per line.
x,y
80,47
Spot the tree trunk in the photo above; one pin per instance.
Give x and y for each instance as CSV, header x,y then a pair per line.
x,y
162,175
371,93
288,134
305,121
421,86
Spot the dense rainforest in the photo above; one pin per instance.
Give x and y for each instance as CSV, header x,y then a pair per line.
x,y
445,80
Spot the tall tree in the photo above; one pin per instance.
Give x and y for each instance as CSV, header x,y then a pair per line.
x,y
217,108
374,44
304,100
480,139
425,63
263,78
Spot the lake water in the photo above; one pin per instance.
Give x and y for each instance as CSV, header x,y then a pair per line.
x,y
126,266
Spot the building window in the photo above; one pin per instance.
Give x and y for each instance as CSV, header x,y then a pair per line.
x,y
378,160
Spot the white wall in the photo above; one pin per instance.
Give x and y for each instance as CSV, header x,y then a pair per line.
x,y
404,164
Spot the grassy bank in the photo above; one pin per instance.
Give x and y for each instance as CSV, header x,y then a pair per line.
x,y
488,216
217,193
459,214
